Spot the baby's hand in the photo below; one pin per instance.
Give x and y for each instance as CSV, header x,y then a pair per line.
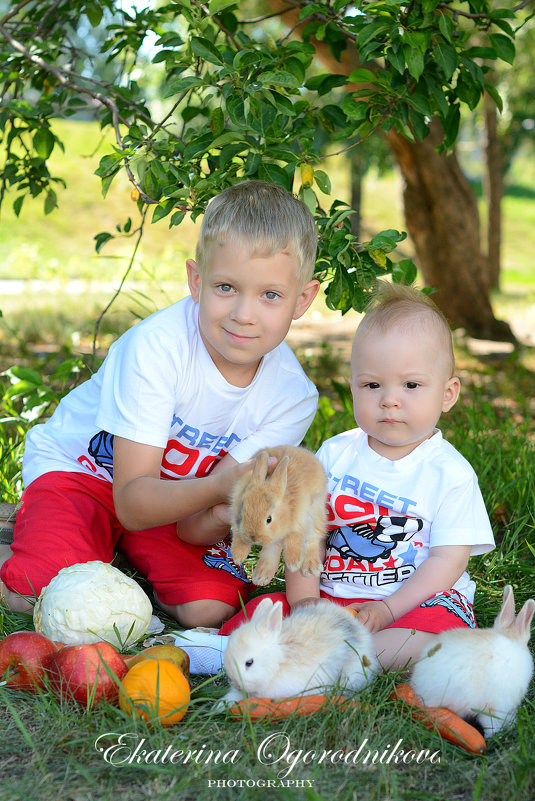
x,y
375,615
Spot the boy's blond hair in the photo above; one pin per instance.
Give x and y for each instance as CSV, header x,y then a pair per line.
x,y
266,217
397,304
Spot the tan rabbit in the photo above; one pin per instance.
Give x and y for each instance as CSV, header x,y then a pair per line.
x,y
283,512
480,674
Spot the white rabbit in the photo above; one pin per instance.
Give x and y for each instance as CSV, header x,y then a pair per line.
x,y
480,674
309,652
285,511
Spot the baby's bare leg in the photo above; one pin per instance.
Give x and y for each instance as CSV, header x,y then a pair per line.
x,y
14,601
397,648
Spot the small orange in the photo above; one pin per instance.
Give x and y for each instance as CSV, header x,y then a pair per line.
x,y
156,690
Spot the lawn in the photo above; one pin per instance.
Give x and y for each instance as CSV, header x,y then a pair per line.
x,y
58,752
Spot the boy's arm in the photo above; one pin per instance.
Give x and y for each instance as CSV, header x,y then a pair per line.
x,y
142,500
443,567
213,523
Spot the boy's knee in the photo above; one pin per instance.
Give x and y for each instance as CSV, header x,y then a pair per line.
x,y
14,601
206,612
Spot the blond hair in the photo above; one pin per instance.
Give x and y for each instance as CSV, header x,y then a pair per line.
x,y
266,217
400,305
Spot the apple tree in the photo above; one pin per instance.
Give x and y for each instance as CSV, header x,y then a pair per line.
x,y
200,94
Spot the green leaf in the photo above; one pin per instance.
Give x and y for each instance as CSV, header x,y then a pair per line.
x,y
43,142
323,181
101,239
279,78
503,46
362,76
216,6
446,26
217,121
404,272
415,61
446,58
203,48
163,209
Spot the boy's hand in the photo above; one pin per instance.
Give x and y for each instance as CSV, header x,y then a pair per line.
x,y
375,615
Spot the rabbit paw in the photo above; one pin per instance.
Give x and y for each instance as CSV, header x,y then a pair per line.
x,y
311,567
262,575
239,551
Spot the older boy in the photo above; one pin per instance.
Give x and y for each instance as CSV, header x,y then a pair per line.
x,y
149,447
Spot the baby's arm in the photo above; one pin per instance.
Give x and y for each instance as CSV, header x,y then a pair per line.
x,y
301,590
443,567
142,500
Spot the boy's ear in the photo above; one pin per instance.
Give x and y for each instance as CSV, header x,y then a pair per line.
x,y
451,393
194,279
304,300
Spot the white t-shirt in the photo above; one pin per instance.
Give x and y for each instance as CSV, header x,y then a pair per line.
x,y
385,515
159,386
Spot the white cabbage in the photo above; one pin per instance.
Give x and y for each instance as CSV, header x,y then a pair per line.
x,y
92,601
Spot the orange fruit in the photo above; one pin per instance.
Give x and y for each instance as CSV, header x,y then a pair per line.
x,y
155,689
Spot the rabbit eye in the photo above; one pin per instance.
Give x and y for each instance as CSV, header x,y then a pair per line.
x,y
249,662
269,519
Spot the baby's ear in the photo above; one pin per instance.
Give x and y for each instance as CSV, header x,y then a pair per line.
x,y
451,393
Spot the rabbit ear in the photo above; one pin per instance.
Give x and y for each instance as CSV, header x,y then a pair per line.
x,y
260,467
273,620
279,477
262,609
523,621
506,615
267,616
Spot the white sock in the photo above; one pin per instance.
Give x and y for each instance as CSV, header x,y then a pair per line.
x,y
206,650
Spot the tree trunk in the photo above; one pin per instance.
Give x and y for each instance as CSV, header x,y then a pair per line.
x,y
441,215
443,221
493,192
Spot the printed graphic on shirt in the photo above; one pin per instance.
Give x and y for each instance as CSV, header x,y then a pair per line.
x,y
101,449
456,604
219,558
372,552
192,452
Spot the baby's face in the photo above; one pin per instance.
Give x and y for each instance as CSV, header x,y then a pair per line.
x,y
401,385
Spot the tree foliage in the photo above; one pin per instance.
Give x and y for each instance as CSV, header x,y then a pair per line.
x,y
202,94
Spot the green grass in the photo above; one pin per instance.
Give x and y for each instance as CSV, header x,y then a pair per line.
x,y
50,750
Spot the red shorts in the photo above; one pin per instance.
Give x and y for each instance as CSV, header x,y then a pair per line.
x,y
67,518
445,610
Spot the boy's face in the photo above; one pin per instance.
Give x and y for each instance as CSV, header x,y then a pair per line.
x,y
401,385
246,305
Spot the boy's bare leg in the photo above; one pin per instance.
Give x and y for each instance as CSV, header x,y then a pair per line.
x,y
206,612
14,601
397,648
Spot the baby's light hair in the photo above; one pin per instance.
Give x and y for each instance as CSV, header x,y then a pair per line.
x,y
264,216
400,305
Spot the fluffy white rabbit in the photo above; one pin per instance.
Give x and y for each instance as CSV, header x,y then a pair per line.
x,y
480,674
282,512
309,652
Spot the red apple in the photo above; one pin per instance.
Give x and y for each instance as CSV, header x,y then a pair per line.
x,y
87,673
24,659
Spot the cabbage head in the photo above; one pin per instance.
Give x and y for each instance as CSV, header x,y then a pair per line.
x,y
92,601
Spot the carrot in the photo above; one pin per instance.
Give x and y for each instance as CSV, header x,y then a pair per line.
x,y
258,708
450,726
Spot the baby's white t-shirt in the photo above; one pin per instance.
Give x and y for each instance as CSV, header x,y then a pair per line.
x,y
384,515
